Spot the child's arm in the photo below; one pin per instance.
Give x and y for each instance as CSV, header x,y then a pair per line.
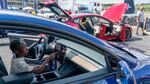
x,y
41,67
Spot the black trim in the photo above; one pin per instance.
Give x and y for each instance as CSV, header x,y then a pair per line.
x,y
84,78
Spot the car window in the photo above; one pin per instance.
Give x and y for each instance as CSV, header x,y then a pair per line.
x,y
79,58
85,63
58,11
83,56
87,53
97,21
77,20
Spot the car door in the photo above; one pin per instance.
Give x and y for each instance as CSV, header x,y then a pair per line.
x,y
107,79
58,12
87,52
103,28
87,57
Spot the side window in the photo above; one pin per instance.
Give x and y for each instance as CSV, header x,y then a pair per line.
x,y
76,20
58,11
89,58
85,63
97,21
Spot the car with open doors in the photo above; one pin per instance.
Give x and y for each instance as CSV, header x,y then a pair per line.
x,y
110,26
83,58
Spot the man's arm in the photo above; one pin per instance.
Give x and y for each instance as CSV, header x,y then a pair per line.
x,y
137,18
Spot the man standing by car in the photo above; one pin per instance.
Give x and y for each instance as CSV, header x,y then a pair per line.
x,y
140,20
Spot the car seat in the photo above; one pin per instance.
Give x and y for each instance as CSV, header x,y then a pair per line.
x,y
3,70
20,78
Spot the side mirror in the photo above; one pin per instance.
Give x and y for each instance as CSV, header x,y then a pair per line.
x,y
125,74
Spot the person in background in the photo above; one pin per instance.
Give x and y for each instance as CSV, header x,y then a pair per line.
x,y
140,20
88,27
103,11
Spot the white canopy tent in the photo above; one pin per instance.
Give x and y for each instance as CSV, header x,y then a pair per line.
x,y
28,8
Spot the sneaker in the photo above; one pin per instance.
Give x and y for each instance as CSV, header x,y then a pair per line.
x,y
144,34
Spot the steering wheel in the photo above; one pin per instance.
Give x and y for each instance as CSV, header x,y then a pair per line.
x,y
38,48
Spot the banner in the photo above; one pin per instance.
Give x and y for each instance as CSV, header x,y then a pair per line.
x,y
131,7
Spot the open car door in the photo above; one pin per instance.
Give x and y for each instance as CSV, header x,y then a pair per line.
x,y
55,9
115,12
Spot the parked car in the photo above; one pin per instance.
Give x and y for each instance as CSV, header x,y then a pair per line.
x,y
44,12
107,27
86,59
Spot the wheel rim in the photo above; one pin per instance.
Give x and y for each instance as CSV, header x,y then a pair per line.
x,y
128,34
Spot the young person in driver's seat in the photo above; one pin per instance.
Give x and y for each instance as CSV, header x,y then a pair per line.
x,y
88,27
18,62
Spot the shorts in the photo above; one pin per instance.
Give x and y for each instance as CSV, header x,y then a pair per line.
x,y
140,24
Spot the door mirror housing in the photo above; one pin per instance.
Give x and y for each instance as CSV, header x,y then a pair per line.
x,y
125,74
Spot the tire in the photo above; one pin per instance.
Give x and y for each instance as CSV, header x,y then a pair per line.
x,y
128,34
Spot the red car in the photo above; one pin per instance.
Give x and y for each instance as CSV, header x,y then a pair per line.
x,y
110,26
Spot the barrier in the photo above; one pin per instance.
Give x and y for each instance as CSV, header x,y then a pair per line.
x,y
147,24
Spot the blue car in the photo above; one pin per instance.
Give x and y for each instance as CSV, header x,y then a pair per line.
x,y
84,59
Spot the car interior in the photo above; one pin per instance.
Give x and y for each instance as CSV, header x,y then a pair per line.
x,y
97,24
97,21
69,62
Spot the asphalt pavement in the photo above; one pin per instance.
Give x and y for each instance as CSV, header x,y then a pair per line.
x,y
139,42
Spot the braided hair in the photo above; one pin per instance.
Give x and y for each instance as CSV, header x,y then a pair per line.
x,y
15,44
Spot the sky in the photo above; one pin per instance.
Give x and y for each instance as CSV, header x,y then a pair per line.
x,y
115,1
63,3
141,1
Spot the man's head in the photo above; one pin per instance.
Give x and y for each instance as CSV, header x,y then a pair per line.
x,y
141,8
19,48
84,19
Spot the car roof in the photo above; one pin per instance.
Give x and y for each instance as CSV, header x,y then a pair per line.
x,y
87,14
83,14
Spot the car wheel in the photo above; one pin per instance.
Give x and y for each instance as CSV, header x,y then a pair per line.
x,y
128,34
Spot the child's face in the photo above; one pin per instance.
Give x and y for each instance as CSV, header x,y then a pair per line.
x,y
23,51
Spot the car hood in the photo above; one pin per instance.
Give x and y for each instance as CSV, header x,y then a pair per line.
x,y
130,51
115,12
55,9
